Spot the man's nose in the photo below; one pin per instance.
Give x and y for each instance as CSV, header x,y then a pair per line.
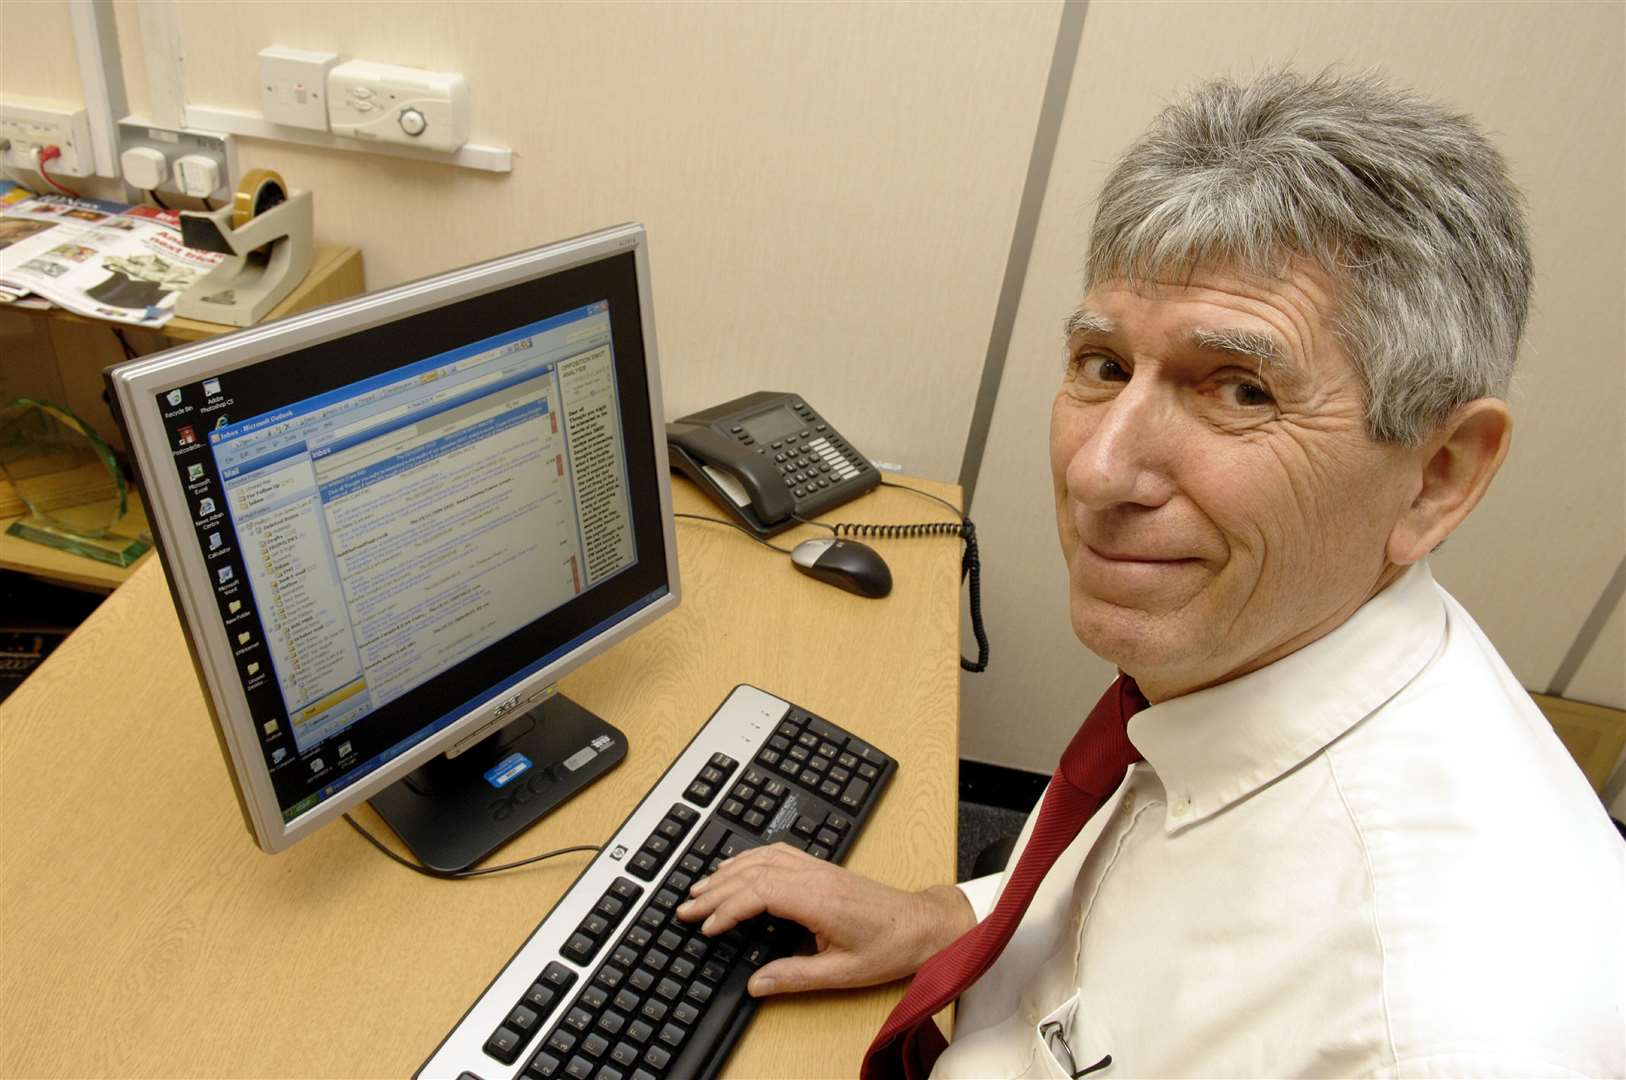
x,y
1124,459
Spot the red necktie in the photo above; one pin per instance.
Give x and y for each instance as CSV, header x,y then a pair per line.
x,y
909,1042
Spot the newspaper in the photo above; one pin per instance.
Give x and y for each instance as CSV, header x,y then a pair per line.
x,y
98,258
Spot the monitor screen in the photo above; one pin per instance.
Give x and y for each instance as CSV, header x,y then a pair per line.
x,y
401,524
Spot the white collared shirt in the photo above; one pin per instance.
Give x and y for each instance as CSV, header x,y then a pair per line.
x,y
1370,858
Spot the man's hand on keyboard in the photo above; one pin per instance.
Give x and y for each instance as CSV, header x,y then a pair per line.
x,y
867,932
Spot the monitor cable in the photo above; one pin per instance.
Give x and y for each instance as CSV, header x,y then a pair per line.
x,y
454,875
970,559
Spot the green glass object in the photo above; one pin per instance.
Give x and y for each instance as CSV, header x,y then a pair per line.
x,y
70,488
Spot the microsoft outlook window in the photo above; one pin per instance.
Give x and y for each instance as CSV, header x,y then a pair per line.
x,y
391,528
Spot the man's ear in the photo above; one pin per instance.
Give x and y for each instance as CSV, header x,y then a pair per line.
x,y
1455,466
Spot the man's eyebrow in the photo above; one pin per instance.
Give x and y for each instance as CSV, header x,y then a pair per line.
x,y
1083,321
1256,345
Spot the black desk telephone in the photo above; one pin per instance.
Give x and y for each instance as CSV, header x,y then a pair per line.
x,y
767,456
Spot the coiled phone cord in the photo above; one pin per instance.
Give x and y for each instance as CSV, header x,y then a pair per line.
x,y
970,559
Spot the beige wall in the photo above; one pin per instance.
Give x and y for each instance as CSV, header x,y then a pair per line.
x,y
37,58
829,189
1546,81
831,192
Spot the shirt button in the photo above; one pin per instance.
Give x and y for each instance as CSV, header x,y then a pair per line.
x,y
1128,803
1182,807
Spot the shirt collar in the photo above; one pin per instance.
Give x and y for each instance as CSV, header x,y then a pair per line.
x,y
1217,746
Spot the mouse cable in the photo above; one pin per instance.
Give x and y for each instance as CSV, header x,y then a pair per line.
x,y
740,528
970,561
454,875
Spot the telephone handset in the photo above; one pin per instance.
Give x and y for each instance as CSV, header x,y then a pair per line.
x,y
767,456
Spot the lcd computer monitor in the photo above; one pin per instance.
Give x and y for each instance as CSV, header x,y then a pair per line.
x,y
391,524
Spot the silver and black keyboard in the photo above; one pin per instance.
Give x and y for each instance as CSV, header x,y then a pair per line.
x,y
611,985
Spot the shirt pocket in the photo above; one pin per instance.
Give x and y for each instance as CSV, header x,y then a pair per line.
x,y
1059,1049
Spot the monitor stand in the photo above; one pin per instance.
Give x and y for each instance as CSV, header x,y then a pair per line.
x,y
452,812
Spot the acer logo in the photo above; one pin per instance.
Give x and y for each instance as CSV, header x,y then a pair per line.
x,y
506,707
522,792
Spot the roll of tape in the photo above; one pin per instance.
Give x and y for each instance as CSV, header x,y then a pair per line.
x,y
260,190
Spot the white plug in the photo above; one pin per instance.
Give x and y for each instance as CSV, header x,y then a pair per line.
x,y
197,175
144,167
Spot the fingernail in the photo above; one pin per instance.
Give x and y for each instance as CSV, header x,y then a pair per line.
x,y
694,890
761,985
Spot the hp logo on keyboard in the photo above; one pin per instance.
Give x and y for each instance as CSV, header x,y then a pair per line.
x,y
619,853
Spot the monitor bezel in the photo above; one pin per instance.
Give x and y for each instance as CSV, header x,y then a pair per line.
x,y
135,387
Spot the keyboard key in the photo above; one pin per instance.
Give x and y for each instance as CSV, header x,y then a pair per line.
x,y
558,976
580,948
639,1031
504,1045
540,997
645,865
595,1045
656,1058
543,1066
857,791
578,1019
706,843
579,1068
624,1054
672,1035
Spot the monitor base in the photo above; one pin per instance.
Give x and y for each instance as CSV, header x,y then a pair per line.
x,y
454,812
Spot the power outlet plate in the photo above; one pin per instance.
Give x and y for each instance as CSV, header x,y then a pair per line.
x,y
175,143
26,127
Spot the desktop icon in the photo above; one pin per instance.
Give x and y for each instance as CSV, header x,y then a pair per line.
x,y
344,749
214,541
211,387
316,765
242,638
186,436
277,755
194,472
224,574
206,507
271,726
173,397
254,668
221,421
234,607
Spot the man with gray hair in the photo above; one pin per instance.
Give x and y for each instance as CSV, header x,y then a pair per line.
x,y
1315,827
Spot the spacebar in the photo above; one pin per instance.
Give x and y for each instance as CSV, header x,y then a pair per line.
x,y
720,1026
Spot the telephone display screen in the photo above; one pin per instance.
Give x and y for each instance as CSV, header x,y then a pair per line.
x,y
773,424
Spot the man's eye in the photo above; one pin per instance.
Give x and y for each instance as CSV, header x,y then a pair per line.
x,y
1097,370
1246,395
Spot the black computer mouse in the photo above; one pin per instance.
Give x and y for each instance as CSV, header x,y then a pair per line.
x,y
846,564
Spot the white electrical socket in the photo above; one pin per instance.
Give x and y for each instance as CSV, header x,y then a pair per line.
x,y
178,145
28,128
293,86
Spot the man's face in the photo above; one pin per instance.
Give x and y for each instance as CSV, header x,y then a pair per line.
x,y
1218,499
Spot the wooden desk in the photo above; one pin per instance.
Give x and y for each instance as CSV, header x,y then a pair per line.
x,y
63,363
145,935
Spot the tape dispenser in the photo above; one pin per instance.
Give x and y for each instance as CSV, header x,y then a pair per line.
x,y
266,236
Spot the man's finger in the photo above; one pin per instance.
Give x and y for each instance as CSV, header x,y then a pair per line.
x,y
794,974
